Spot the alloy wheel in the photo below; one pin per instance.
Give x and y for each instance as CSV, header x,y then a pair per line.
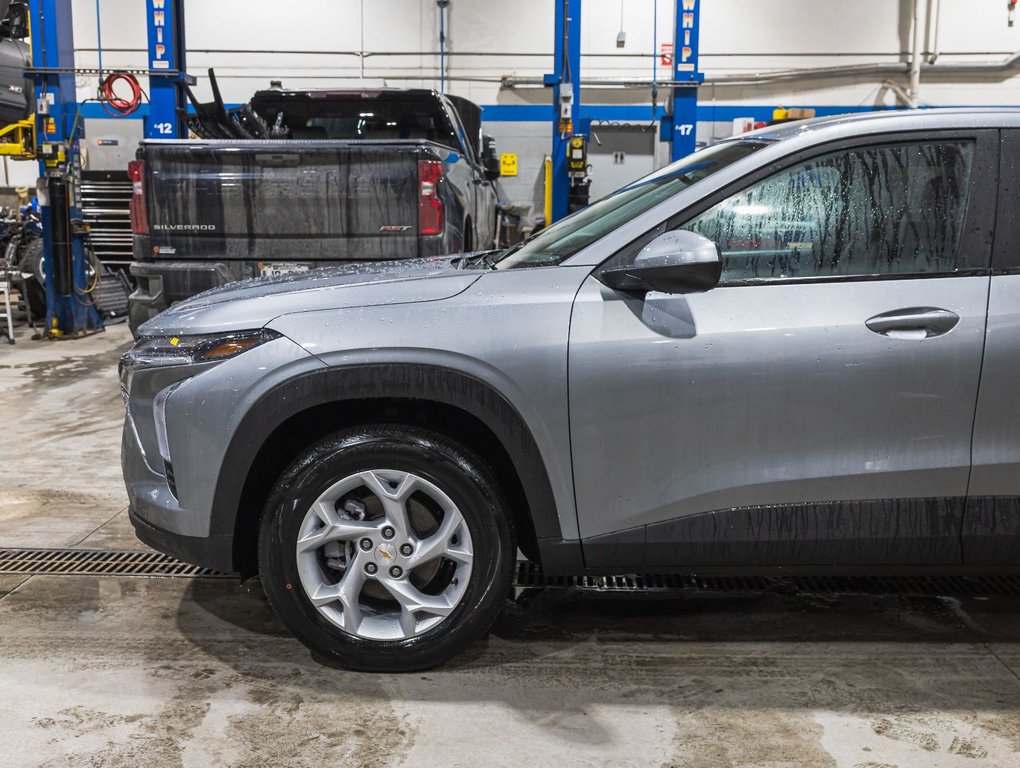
x,y
384,555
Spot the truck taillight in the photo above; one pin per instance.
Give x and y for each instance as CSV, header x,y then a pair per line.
x,y
430,204
139,216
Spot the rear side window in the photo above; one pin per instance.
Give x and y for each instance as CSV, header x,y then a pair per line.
x,y
887,210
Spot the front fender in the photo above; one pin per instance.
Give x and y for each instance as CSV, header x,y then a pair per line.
x,y
402,381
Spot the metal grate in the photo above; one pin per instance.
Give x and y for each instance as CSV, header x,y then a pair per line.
x,y
97,562
528,575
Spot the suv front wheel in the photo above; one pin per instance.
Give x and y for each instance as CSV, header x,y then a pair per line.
x,y
386,548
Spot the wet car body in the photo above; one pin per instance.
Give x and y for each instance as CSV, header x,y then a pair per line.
x,y
854,414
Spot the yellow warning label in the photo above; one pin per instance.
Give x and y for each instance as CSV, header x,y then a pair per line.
x,y
508,164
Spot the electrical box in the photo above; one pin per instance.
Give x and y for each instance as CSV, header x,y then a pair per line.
x,y
566,102
54,154
577,155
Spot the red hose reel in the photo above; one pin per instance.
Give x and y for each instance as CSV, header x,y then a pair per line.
x,y
114,104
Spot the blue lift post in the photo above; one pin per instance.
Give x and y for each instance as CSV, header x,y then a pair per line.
x,y
165,22
566,74
69,309
680,127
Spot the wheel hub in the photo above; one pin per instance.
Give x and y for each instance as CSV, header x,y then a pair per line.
x,y
386,555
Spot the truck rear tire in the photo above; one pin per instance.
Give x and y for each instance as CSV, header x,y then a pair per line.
x,y
32,257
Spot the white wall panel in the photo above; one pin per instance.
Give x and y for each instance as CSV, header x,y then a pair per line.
x,y
395,42
352,43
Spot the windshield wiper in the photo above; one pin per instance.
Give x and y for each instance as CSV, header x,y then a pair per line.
x,y
485,257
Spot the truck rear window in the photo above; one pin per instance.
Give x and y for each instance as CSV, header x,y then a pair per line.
x,y
357,118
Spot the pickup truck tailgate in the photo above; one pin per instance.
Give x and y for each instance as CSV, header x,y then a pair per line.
x,y
283,201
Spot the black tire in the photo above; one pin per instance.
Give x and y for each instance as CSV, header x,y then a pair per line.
x,y
32,257
459,473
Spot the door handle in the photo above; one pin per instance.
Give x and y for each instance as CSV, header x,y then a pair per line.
x,y
913,323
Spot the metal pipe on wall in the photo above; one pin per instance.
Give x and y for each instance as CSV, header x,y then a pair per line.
x,y
935,52
442,44
915,55
756,78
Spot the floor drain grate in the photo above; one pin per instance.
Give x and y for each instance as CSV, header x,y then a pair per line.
x,y
97,562
528,575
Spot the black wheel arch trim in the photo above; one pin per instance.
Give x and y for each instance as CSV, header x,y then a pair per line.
x,y
391,381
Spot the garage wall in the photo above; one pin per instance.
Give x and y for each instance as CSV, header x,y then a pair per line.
x,y
322,43
392,42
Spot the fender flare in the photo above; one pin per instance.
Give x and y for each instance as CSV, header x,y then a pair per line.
x,y
405,381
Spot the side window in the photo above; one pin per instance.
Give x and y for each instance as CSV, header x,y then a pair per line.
x,y
465,140
887,210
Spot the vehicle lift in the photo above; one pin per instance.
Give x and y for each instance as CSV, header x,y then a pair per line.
x,y
69,310
571,123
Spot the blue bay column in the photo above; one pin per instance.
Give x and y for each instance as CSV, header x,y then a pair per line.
x,y
681,129
566,85
164,20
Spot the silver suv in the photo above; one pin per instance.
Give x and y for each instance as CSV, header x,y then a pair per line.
x,y
793,349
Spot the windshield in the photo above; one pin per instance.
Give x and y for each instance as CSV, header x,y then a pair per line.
x,y
565,238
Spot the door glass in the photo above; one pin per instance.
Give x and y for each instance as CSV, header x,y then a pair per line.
x,y
896,209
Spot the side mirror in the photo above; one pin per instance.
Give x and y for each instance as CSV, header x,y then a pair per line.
x,y
674,262
490,159
491,168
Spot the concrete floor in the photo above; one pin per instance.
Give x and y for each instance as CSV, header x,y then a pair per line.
x,y
102,671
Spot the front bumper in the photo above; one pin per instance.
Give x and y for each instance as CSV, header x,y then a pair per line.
x,y
178,516
214,552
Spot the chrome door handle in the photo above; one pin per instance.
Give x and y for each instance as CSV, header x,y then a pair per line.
x,y
915,322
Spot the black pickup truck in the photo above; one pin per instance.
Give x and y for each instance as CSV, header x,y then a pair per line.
x,y
353,176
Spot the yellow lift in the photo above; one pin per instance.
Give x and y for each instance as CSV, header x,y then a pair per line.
x,y
17,140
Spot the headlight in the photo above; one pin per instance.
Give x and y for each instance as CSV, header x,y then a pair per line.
x,y
186,350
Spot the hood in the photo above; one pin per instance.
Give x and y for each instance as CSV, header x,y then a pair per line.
x,y
253,303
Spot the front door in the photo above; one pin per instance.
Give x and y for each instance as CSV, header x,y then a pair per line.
x,y
816,408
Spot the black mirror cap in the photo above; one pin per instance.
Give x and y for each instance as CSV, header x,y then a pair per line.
x,y
681,278
490,164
